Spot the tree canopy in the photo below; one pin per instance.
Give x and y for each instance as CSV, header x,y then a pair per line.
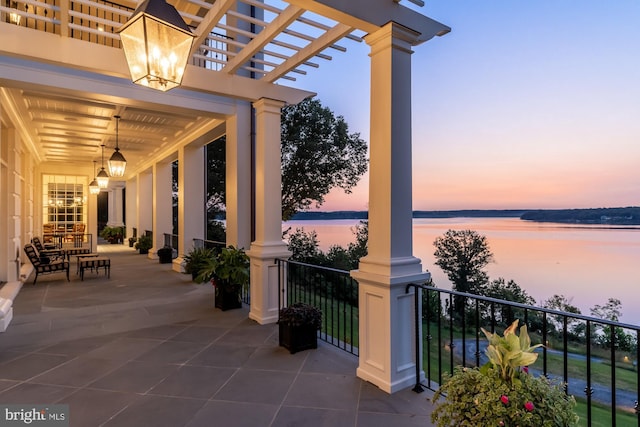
x,y
462,255
318,154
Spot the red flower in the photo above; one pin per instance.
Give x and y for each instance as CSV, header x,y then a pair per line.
x,y
529,406
501,423
504,399
525,369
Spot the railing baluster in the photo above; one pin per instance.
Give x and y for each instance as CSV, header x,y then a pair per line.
x,y
588,390
565,351
477,354
613,375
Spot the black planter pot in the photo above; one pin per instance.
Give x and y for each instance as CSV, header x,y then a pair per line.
x,y
298,337
165,255
227,299
143,251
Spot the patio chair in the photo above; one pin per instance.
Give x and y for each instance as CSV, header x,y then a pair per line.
x,y
53,254
43,264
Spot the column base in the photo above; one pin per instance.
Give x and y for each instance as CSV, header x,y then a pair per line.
x,y
264,280
387,353
178,264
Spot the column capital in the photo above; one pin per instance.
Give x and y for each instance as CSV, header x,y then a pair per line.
x,y
268,105
392,35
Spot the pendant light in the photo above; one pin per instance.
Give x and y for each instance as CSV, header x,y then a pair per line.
x,y
156,43
102,177
117,163
94,188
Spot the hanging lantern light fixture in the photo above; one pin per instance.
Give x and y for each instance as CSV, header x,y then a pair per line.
x,y
94,188
156,43
102,177
117,162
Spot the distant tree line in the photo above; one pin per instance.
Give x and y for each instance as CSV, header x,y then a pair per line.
x,y
613,216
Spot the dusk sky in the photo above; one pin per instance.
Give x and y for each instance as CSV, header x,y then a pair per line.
x,y
523,105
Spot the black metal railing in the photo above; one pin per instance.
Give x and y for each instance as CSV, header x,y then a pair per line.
x,y
171,240
211,244
332,291
595,358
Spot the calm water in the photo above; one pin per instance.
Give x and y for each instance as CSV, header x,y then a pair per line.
x,y
588,264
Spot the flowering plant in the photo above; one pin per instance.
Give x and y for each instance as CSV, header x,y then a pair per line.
x,y
502,392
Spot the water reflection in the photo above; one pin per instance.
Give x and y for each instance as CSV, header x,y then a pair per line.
x,y
588,264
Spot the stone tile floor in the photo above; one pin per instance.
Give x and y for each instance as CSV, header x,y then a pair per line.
x,y
147,348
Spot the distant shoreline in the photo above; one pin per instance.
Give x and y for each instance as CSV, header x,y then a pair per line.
x,y
593,216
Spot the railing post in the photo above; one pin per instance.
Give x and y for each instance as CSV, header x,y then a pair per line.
x,y
416,315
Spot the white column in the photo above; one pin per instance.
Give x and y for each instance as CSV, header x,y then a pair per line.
x,y
191,198
162,211
268,244
132,205
386,347
115,204
238,177
145,202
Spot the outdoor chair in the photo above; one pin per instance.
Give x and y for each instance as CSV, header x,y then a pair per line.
x,y
53,254
43,264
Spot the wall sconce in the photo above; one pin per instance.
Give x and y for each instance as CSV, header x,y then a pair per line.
x,y
156,43
117,162
102,177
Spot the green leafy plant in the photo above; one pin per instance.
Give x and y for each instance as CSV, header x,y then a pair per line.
x,y
196,260
144,243
112,234
503,392
229,269
300,313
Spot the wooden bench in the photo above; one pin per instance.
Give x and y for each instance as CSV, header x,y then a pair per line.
x,y
94,263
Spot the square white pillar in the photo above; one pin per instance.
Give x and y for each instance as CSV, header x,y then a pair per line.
x,y
115,204
386,326
145,202
268,244
191,200
162,210
238,177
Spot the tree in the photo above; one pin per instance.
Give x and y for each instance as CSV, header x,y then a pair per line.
x,y
510,291
318,154
359,248
462,254
216,174
608,335
575,327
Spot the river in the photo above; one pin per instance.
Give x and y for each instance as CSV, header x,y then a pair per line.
x,y
588,264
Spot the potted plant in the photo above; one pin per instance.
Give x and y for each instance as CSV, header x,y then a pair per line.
x,y
298,325
112,234
196,259
228,272
132,241
503,392
144,243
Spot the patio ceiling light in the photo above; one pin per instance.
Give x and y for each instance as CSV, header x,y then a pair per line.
x,y
117,162
102,177
94,188
156,43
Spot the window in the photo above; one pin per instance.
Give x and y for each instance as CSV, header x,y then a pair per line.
x,y
64,202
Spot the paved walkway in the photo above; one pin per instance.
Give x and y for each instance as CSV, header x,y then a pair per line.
x,y
147,348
